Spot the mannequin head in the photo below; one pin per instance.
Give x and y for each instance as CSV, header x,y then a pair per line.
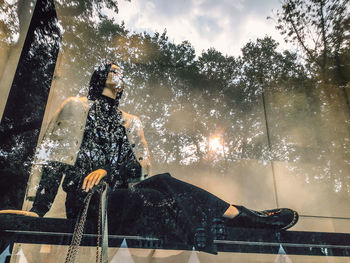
x,y
106,80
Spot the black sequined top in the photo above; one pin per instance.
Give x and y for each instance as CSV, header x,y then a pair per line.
x,y
105,146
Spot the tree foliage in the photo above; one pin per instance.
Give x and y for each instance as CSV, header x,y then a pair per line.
x,y
321,29
185,100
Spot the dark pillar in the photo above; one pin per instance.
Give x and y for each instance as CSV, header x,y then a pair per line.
x,y
24,111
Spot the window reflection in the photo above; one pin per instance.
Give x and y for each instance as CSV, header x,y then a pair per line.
x,y
261,129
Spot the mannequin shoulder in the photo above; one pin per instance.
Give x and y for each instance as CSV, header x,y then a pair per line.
x,y
129,117
75,103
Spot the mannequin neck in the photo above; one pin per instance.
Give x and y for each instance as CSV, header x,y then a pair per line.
x,y
111,93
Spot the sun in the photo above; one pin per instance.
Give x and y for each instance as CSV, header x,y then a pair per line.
x,y
215,144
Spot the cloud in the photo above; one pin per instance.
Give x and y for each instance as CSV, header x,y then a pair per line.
x,y
207,27
226,25
171,9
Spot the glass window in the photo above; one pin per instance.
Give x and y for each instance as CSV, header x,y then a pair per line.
x,y
154,97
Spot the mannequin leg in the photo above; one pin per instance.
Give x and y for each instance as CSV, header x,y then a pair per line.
x,y
195,205
201,207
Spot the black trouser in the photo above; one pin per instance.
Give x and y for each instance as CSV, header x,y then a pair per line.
x,y
160,204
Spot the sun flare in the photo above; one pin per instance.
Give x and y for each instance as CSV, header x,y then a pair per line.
x,y
215,144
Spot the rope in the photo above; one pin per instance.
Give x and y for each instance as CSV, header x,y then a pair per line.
x,y
102,228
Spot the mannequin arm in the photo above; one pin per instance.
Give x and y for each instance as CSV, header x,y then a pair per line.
x,y
48,187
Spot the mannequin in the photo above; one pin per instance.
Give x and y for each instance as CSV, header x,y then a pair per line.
x,y
160,197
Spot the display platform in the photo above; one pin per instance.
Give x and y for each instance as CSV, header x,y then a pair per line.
x,y
56,231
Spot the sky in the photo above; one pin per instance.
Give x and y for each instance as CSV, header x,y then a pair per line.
x,y
226,25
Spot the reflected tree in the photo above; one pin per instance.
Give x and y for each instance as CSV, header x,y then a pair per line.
x,y
321,29
207,111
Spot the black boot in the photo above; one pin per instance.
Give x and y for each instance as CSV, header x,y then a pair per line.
x,y
281,218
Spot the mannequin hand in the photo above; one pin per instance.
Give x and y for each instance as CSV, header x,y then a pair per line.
x,y
93,179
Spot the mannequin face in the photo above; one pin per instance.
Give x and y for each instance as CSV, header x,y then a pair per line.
x,y
114,83
114,79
